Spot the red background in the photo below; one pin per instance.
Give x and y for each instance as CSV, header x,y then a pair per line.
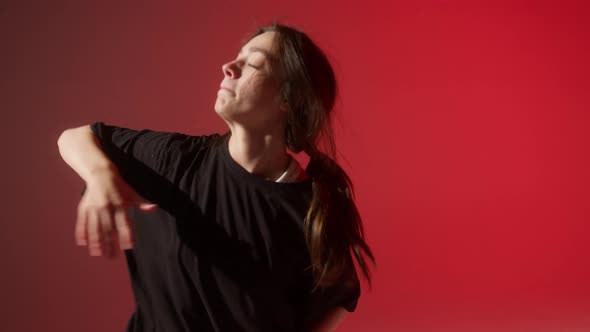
x,y
463,125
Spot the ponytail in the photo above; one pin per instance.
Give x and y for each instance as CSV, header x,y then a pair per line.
x,y
333,225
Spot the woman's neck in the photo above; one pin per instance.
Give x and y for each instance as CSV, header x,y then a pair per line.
x,y
262,154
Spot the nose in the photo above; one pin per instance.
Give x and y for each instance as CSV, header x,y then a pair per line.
x,y
230,69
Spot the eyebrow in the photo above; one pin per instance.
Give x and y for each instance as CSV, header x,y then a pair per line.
x,y
258,49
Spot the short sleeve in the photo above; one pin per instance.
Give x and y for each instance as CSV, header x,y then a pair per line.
x,y
323,300
146,156
157,150
338,296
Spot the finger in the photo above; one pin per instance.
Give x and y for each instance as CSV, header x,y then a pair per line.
x,y
124,228
114,235
106,232
93,233
80,229
143,204
147,207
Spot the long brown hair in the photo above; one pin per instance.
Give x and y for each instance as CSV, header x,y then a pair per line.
x,y
333,223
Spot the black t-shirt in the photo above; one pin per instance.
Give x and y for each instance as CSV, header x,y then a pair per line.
x,y
225,249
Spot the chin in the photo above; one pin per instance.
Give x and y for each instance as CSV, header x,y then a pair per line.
x,y
223,112
220,106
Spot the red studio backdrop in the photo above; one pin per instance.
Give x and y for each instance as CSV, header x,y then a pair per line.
x,y
463,125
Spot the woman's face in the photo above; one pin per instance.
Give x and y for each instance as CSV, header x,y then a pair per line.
x,y
248,94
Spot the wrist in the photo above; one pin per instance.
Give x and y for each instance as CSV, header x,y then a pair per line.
x,y
101,171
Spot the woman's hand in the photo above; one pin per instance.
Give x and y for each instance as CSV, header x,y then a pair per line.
x,y
103,223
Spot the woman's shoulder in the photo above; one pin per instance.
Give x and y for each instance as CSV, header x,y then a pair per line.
x,y
190,142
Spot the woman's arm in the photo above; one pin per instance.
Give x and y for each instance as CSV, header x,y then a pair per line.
x,y
330,321
80,149
102,212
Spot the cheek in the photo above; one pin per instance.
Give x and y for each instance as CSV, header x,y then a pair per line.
x,y
260,89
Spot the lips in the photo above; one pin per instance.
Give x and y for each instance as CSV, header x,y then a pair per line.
x,y
224,88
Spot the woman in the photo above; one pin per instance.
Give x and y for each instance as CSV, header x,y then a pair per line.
x,y
228,232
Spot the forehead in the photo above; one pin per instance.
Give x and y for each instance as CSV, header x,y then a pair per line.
x,y
262,43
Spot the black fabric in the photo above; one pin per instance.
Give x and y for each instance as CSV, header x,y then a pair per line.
x,y
225,250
